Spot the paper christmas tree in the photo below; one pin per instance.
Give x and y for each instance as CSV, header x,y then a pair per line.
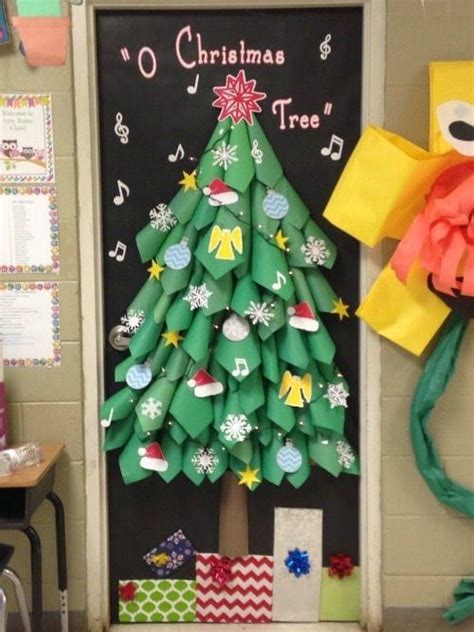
x,y
230,366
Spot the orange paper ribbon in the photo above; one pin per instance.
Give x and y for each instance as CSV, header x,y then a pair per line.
x,y
442,236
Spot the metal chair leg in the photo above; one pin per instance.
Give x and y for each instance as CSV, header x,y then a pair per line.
x,y
20,597
3,612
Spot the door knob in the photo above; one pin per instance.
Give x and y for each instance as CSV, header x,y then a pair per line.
x,y
119,338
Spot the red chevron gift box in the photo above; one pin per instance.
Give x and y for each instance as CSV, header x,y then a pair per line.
x,y
239,592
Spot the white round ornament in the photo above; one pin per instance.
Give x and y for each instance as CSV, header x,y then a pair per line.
x,y
235,328
289,458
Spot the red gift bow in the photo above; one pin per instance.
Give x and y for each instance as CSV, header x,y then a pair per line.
x,y
442,235
340,565
127,591
221,570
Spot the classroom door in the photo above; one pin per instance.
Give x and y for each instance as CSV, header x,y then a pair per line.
x,y
156,72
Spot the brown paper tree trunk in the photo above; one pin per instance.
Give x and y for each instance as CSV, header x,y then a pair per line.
x,y
233,518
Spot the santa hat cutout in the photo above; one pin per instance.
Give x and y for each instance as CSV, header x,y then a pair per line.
x,y
204,384
219,193
152,458
302,317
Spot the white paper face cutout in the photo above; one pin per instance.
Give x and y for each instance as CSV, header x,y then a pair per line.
x,y
456,122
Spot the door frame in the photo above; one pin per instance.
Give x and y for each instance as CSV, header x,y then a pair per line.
x,y
88,173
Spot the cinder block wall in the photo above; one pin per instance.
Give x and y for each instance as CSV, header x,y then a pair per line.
x,y
45,404
426,548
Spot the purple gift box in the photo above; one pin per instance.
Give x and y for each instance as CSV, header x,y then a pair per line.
x,y
172,553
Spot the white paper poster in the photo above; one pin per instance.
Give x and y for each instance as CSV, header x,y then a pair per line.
x,y
28,230
26,139
29,324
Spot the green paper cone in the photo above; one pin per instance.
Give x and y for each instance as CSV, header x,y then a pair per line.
x,y
271,471
278,411
323,452
321,345
238,358
325,417
278,309
193,413
204,215
149,241
147,297
174,236
190,449
223,463
154,403
271,363
297,247
205,436
261,222
120,405
243,451
221,293
302,291
174,455
219,249
180,315
139,432
245,292
146,338
268,169
184,203
199,336
298,478
251,393
298,213
177,364
175,280
303,423
269,268
129,461
292,348
265,432
312,230
161,308
208,171
122,368
240,172
119,433
323,295
177,433
242,209
220,131
159,358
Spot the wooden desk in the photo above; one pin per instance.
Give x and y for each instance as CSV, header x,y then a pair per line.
x,y
21,494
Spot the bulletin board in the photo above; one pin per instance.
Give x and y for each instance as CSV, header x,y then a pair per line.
x,y
157,69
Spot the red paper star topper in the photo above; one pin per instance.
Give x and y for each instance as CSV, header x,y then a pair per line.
x,y
238,98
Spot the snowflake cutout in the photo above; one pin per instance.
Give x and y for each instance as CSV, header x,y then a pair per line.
x,y
198,296
235,427
133,320
337,395
259,313
315,251
205,460
176,560
238,98
162,218
224,155
151,408
345,455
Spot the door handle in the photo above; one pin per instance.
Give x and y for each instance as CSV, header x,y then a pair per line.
x,y
119,338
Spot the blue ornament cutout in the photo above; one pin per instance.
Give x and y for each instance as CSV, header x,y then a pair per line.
x,y
139,376
289,458
178,256
298,563
275,205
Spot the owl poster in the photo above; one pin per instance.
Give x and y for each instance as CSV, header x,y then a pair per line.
x,y
26,139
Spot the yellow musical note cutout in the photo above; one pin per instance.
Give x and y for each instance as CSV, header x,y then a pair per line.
x,y
226,241
298,389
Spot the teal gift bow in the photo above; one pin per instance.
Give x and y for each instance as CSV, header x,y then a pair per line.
x,y
437,373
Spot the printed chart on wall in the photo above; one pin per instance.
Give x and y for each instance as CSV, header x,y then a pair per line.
x,y
232,386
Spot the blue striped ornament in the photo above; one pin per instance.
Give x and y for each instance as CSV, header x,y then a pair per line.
x,y
178,256
289,458
275,205
138,376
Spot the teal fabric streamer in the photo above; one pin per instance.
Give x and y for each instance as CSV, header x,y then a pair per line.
x,y
437,373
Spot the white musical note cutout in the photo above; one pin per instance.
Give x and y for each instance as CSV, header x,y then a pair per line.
x,y
337,143
177,155
241,368
121,130
192,89
105,423
280,282
122,188
119,253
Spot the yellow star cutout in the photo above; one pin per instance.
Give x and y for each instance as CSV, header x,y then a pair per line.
x,y
172,338
155,269
249,477
281,240
341,309
189,181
